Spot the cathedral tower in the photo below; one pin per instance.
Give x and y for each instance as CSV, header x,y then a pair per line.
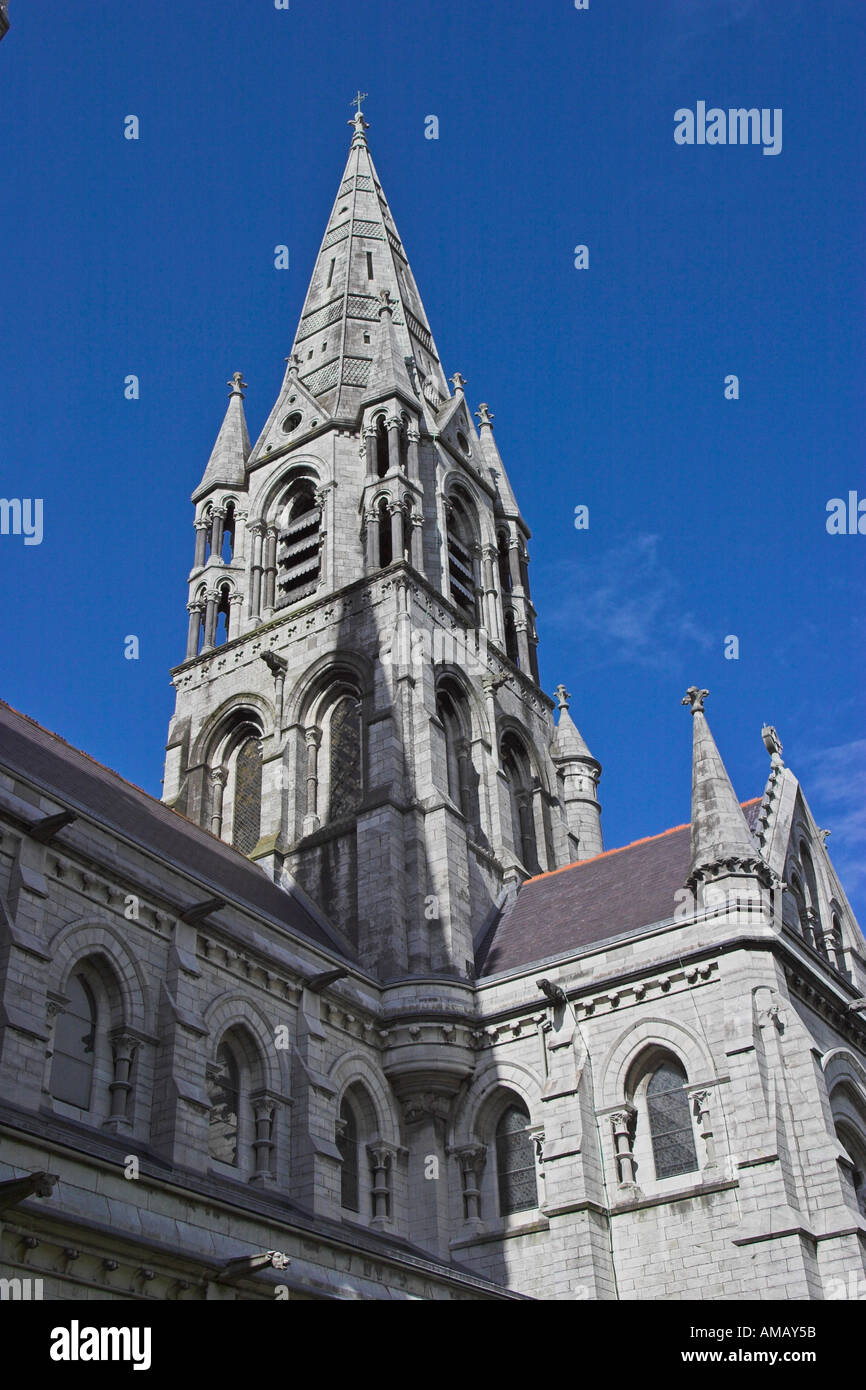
x,y
359,709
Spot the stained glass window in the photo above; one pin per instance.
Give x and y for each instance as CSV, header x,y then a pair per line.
x,y
515,1162
224,1095
246,824
347,1143
670,1122
345,758
74,1038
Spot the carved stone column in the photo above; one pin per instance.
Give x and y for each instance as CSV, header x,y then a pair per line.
x,y
701,1102
623,1138
490,603
394,425
396,512
216,534
233,622
381,1160
258,531
514,563
521,627
312,740
55,1007
277,665
370,451
414,453
471,1158
263,1145
372,520
201,533
416,541
218,779
123,1047
210,620
269,565
195,611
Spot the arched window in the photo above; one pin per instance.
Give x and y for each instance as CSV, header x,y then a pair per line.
x,y
515,1161
461,565
447,710
800,909
504,566
344,762
518,776
347,1143
523,555
810,892
407,528
386,547
404,442
223,615
74,1046
229,521
670,1121
197,623
247,806
512,651
299,553
224,1094
382,459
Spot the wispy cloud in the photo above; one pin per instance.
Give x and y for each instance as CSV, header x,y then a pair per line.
x,y
626,604
834,781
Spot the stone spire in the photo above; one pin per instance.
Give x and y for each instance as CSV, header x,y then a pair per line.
x,y
225,467
721,842
361,256
580,776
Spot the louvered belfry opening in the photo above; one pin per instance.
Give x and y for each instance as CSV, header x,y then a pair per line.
x,y
299,558
461,568
247,817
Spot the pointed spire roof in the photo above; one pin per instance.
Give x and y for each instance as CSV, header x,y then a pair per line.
x,y
388,372
720,836
568,742
361,256
493,459
225,467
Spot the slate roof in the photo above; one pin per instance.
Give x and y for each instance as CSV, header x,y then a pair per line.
x,y
592,901
79,782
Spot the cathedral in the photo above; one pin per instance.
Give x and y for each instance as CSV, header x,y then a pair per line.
x,y
363,1008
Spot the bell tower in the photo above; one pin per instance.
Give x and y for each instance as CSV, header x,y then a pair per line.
x,y
358,710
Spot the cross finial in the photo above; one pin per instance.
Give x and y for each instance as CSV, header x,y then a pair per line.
x,y
237,384
484,415
357,121
562,696
695,698
459,381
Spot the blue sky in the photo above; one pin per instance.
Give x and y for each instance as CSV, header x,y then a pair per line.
x,y
707,516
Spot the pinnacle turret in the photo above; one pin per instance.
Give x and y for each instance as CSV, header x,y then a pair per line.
x,y
388,373
580,773
493,459
720,837
227,462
